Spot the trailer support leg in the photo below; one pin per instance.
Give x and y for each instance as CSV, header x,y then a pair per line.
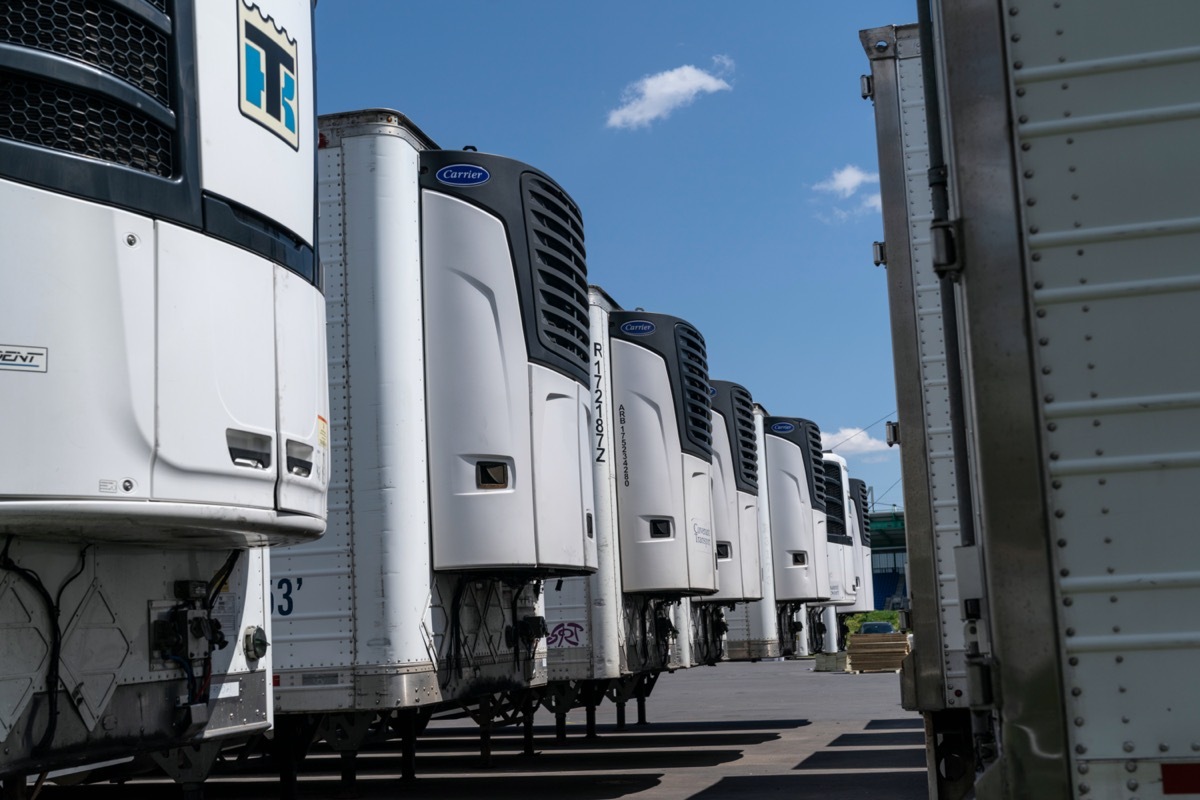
x,y
349,784
485,732
591,721
527,724
560,726
621,715
14,788
408,746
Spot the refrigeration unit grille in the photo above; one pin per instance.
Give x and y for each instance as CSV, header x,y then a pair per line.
x,y
693,377
835,509
858,492
129,42
95,33
745,445
559,260
63,118
817,464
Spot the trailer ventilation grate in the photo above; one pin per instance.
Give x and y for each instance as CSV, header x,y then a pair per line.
x,y
693,376
556,250
858,492
835,507
95,33
66,119
816,463
745,445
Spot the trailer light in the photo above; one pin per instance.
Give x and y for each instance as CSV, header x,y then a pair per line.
x,y
491,475
254,643
660,529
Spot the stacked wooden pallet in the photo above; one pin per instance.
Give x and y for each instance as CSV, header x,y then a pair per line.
x,y
830,662
876,652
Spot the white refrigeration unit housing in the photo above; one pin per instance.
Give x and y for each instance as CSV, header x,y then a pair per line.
x,y
735,494
795,476
840,556
458,347
859,528
754,631
162,371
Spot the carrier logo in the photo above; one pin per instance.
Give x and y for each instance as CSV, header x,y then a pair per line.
x,y
783,427
23,359
463,175
269,69
639,327
712,391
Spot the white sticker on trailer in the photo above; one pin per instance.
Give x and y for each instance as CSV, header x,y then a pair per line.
x,y
20,358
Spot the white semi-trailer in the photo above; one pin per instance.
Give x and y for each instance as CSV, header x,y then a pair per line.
x,y
612,633
795,477
1044,220
841,560
754,626
458,351
162,372
859,528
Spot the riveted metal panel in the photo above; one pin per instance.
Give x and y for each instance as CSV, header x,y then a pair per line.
x,y
1105,117
919,349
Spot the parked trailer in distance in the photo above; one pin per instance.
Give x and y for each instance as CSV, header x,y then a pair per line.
x,y
163,376
754,627
1056,249
458,344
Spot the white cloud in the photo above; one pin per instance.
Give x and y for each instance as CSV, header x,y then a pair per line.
x,y
846,181
656,96
852,442
873,202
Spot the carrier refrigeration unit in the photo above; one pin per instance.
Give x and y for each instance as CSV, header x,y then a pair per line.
x,y
754,631
859,528
458,351
162,372
735,520
795,476
841,559
1056,252
615,631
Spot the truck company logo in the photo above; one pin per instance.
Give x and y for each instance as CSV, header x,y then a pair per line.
x,y
269,59
463,175
23,359
783,427
639,327
712,391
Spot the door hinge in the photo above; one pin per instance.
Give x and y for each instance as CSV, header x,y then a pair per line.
x,y
879,252
867,84
946,235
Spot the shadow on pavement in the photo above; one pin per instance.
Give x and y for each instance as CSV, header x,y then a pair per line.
x,y
549,761
871,786
864,759
577,787
914,723
606,741
882,739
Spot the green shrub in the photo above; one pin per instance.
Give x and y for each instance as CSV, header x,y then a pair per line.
x,y
854,621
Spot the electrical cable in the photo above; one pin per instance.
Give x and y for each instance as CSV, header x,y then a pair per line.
x,y
860,432
875,501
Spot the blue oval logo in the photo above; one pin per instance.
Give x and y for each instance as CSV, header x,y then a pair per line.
x,y
783,427
712,391
639,327
463,175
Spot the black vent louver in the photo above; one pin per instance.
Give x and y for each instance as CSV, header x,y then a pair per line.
x,y
835,506
735,404
693,378
122,116
816,464
746,446
556,253
858,494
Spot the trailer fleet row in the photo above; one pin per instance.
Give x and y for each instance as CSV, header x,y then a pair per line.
x,y
529,494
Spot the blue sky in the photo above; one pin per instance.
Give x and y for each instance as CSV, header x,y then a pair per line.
x,y
721,154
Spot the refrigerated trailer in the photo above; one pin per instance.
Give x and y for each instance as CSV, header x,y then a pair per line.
x,y
162,373
612,633
1056,249
458,362
754,626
